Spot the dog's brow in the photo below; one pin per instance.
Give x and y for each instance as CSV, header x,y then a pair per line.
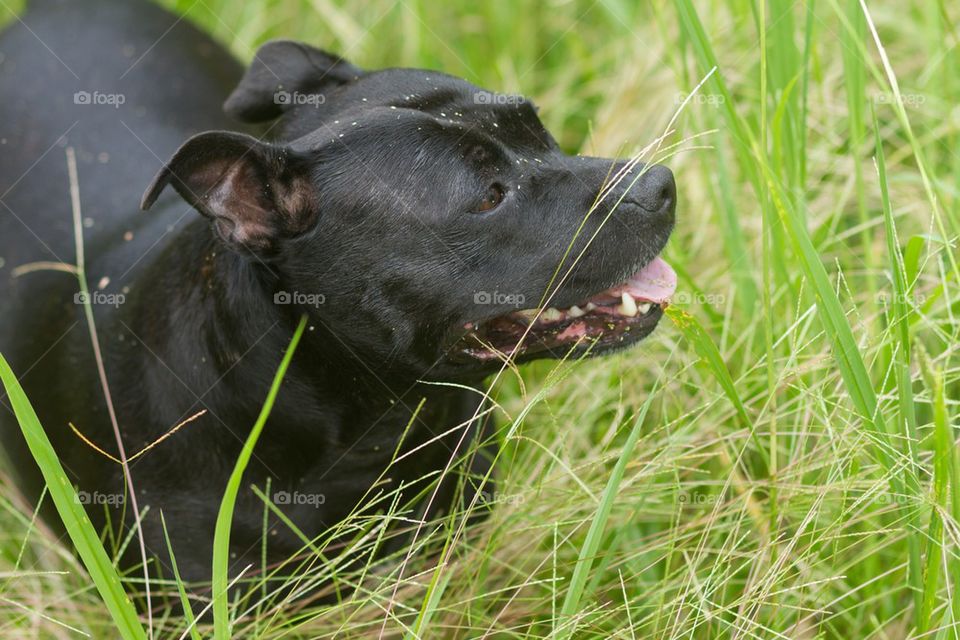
x,y
432,101
520,125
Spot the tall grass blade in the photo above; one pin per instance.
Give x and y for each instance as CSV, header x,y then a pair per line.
x,y
75,519
181,590
708,352
221,536
907,419
588,552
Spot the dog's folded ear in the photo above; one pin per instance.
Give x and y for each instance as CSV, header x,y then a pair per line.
x,y
280,71
256,194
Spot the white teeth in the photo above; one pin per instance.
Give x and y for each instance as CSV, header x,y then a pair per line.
x,y
628,306
643,308
551,315
575,311
590,306
527,315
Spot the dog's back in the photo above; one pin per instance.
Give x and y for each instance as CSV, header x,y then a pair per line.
x,y
123,83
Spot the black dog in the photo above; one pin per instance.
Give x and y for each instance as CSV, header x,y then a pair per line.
x,y
429,230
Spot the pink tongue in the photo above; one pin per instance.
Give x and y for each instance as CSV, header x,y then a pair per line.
x,y
656,282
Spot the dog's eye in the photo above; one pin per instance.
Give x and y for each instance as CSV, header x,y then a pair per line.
x,y
493,198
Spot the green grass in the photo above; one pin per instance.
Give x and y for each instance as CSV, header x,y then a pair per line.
x,y
221,538
795,474
78,525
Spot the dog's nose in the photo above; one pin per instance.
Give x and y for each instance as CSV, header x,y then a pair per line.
x,y
656,192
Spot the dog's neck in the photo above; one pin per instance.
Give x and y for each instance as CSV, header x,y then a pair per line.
x,y
223,337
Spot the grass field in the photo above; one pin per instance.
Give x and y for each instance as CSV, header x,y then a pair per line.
x,y
795,474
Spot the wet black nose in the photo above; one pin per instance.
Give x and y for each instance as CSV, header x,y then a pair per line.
x,y
655,191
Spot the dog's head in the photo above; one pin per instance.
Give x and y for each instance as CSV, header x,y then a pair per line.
x,y
439,224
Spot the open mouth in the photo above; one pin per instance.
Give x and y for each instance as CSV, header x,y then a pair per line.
x,y
612,318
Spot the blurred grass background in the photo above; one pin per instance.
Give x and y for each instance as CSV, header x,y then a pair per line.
x,y
800,484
